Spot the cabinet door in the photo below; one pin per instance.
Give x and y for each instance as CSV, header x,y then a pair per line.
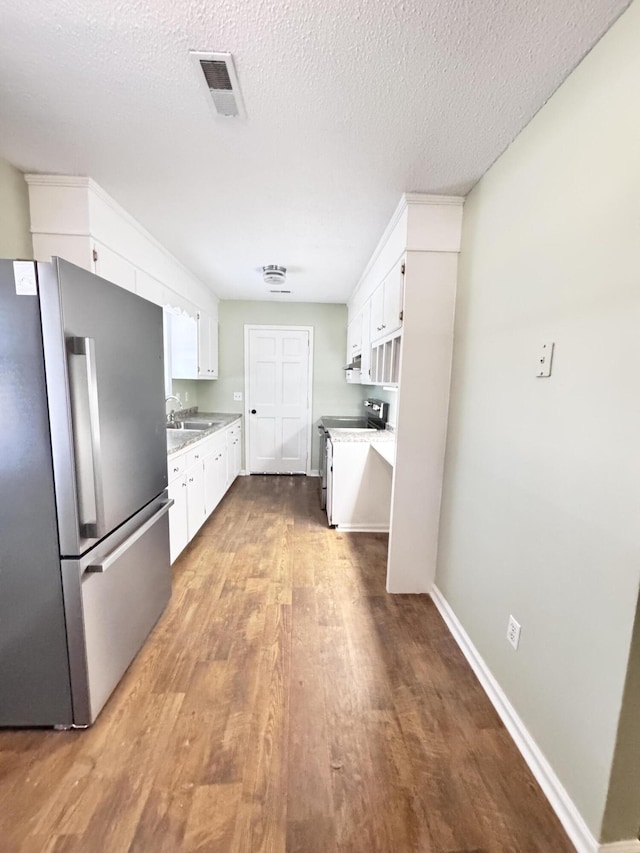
x,y
207,346
393,294
150,288
365,364
184,346
108,264
377,313
204,345
354,337
237,464
234,451
213,344
178,530
195,499
215,471
329,464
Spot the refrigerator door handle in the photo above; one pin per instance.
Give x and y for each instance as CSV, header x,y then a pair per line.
x,y
115,555
87,426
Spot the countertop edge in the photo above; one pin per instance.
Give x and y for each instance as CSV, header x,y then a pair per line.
x,y
227,417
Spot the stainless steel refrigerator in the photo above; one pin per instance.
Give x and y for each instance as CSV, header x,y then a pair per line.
x,y
84,534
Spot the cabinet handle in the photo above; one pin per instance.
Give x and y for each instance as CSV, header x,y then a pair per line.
x,y
191,479
175,470
197,456
253,411
184,485
384,326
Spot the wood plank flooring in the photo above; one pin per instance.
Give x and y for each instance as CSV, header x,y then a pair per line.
x,y
284,702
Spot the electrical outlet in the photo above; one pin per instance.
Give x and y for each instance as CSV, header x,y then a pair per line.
x,y
237,395
513,632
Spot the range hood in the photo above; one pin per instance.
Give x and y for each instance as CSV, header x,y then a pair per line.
x,y
356,364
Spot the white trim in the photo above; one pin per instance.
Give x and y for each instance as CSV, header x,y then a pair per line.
x,y
362,528
59,181
267,327
559,799
427,198
103,195
620,847
405,200
313,473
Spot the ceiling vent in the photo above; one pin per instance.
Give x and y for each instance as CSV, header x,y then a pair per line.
x,y
218,74
273,274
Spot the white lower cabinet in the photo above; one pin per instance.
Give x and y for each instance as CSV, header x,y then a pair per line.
x,y
215,475
195,499
234,453
198,480
178,529
358,487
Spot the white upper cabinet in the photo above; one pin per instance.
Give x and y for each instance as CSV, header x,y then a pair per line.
x,y
193,344
377,314
151,289
207,346
393,293
183,345
386,304
76,219
354,337
411,326
112,266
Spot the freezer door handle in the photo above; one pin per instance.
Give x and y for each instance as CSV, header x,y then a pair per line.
x,y
115,555
87,441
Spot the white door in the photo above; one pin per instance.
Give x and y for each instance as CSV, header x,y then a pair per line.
x,y
278,395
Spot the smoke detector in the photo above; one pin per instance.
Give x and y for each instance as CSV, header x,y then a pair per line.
x,y
218,74
273,274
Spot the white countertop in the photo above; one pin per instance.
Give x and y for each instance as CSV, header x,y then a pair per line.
x,y
177,440
386,449
383,441
368,435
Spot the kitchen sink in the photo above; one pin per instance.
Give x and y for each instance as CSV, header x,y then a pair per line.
x,y
199,424
192,426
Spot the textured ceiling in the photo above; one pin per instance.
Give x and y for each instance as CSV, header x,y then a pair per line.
x,y
349,104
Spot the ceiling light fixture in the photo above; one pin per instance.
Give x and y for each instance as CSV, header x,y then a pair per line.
x,y
273,274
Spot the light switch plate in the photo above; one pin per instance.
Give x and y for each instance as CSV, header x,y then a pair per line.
x,y
237,395
545,357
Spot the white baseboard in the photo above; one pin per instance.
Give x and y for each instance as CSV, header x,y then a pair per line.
x,y
560,801
362,528
313,473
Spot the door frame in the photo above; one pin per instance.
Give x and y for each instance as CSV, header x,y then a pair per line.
x,y
281,327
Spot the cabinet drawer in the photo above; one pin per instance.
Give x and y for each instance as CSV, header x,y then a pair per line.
x,y
196,454
233,432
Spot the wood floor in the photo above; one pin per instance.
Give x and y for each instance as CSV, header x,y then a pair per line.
x,y
284,702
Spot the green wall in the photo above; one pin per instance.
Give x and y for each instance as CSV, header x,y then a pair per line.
x,y
15,236
542,480
331,393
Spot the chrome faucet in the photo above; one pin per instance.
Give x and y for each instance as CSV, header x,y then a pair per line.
x,y
172,413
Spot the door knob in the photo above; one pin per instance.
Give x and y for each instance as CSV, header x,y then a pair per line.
x,y
253,411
